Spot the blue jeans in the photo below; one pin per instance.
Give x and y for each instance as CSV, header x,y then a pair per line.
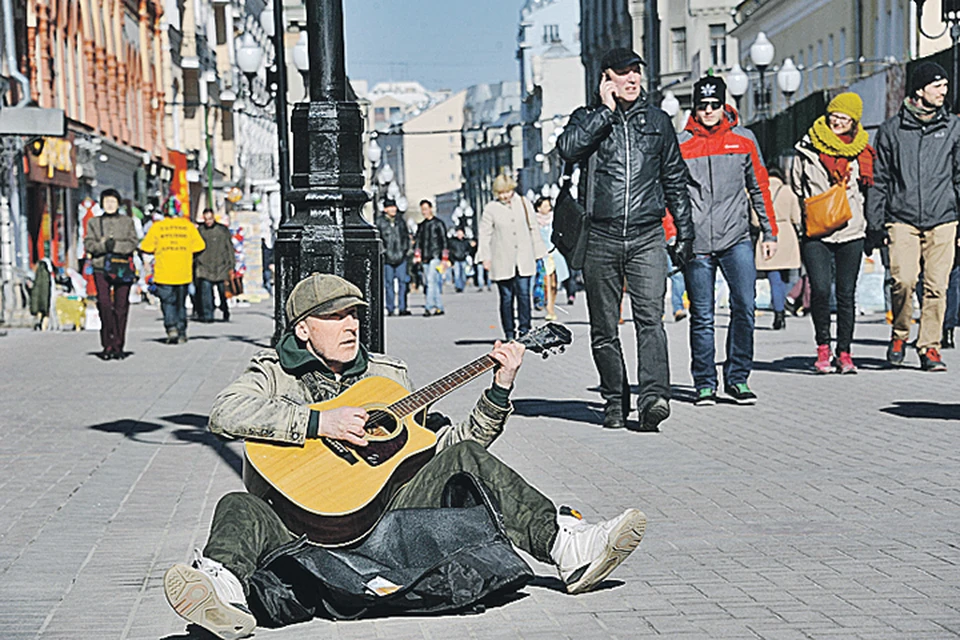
x,y
206,298
676,288
778,288
173,302
395,274
739,269
434,283
459,275
516,289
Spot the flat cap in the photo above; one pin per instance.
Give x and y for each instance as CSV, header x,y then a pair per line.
x,y
319,294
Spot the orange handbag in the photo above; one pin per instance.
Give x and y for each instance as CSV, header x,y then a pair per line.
x,y
826,212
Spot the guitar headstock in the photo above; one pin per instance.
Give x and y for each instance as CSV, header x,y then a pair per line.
x,y
550,338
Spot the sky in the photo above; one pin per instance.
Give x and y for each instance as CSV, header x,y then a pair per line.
x,y
443,44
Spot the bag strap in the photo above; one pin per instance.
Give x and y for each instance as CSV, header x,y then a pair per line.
x,y
526,213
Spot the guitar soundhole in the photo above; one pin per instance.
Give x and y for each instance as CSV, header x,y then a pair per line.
x,y
380,424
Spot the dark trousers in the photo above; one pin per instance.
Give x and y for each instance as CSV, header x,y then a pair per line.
x,y
952,316
113,312
516,290
738,265
395,273
245,528
205,289
778,280
820,258
173,303
642,263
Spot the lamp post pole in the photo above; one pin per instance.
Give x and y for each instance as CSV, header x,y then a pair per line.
x,y
283,148
327,232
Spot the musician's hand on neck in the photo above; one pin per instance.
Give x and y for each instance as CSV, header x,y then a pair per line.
x,y
344,423
509,356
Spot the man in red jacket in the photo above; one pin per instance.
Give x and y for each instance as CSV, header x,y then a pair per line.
x,y
726,166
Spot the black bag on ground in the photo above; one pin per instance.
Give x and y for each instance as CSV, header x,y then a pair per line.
x,y
416,561
571,223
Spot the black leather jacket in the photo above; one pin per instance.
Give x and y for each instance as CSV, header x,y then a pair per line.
x,y
637,168
395,238
431,239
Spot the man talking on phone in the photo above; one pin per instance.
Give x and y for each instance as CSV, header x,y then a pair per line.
x,y
634,171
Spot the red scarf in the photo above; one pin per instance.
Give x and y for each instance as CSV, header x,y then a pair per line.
x,y
838,167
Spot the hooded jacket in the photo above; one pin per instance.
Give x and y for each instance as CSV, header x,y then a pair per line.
x,y
727,178
917,171
635,167
270,400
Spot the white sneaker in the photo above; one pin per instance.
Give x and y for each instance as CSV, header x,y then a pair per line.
x,y
585,554
208,594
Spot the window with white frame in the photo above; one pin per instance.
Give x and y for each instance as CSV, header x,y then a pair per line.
x,y
718,45
678,47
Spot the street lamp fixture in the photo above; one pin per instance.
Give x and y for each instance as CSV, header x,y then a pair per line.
x,y
788,78
301,58
670,104
267,21
761,54
374,153
249,58
737,83
386,174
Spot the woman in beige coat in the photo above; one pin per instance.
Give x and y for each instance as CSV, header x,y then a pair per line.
x,y
509,246
786,206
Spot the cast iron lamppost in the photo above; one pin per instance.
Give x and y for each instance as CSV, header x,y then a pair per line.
x,y
327,232
761,53
949,15
788,79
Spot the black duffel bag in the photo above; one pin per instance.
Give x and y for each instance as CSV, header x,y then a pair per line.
x,y
571,223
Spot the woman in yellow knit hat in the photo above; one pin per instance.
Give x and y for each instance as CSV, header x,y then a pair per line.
x,y
836,150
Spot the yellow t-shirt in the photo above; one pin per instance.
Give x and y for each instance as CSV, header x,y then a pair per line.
x,y
173,241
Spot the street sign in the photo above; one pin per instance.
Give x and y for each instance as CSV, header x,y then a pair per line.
x,y
31,121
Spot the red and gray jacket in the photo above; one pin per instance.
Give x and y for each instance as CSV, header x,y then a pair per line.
x,y
728,176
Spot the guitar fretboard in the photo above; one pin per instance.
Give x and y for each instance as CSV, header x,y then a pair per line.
x,y
436,390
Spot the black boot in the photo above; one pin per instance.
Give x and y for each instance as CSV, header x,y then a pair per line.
x,y
779,320
947,341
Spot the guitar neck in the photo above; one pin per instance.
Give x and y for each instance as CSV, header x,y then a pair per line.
x,y
432,392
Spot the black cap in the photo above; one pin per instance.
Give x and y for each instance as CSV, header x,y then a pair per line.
x,y
389,202
925,73
709,88
619,58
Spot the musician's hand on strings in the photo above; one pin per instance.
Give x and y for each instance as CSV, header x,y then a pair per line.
x,y
344,423
509,356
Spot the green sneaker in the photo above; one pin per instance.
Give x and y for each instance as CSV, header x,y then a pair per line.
x,y
706,397
741,393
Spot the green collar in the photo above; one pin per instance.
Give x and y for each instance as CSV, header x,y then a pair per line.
x,y
296,359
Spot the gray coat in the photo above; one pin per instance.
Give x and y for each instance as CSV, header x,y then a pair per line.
x,y
267,403
917,172
100,229
810,178
217,260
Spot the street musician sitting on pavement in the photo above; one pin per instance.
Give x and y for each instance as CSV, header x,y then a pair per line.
x,y
319,356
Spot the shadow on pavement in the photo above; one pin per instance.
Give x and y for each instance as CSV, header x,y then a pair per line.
x,y
555,584
575,410
194,431
925,410
803,365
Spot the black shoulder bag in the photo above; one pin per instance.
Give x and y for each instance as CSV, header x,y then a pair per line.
x,y
571,223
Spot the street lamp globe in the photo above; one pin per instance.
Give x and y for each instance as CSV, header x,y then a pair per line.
x,y
670,104
374,153
386,174
762,51
788,78
402,203
393,190
249,55
301,54
737,81
266,20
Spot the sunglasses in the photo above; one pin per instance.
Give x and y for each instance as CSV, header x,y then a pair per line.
x,y
712,105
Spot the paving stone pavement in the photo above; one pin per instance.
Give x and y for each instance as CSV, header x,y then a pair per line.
x,y
829,510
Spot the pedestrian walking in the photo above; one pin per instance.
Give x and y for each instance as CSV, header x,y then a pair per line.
x,y
396,251
835,151
554,265
432,244
111,240
509,247
677,286
912,208
728,178
461,250
779,268
633,170
213,266
173,241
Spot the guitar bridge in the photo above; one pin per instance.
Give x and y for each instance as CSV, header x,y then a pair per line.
x,y
340,450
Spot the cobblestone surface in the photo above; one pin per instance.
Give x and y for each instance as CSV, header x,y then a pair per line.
x,y
829,510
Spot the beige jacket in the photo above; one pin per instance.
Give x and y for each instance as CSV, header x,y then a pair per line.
x,y
809,178
786,206
267,403
510,239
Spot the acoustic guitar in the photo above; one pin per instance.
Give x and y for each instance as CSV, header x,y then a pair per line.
x,y
335,492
